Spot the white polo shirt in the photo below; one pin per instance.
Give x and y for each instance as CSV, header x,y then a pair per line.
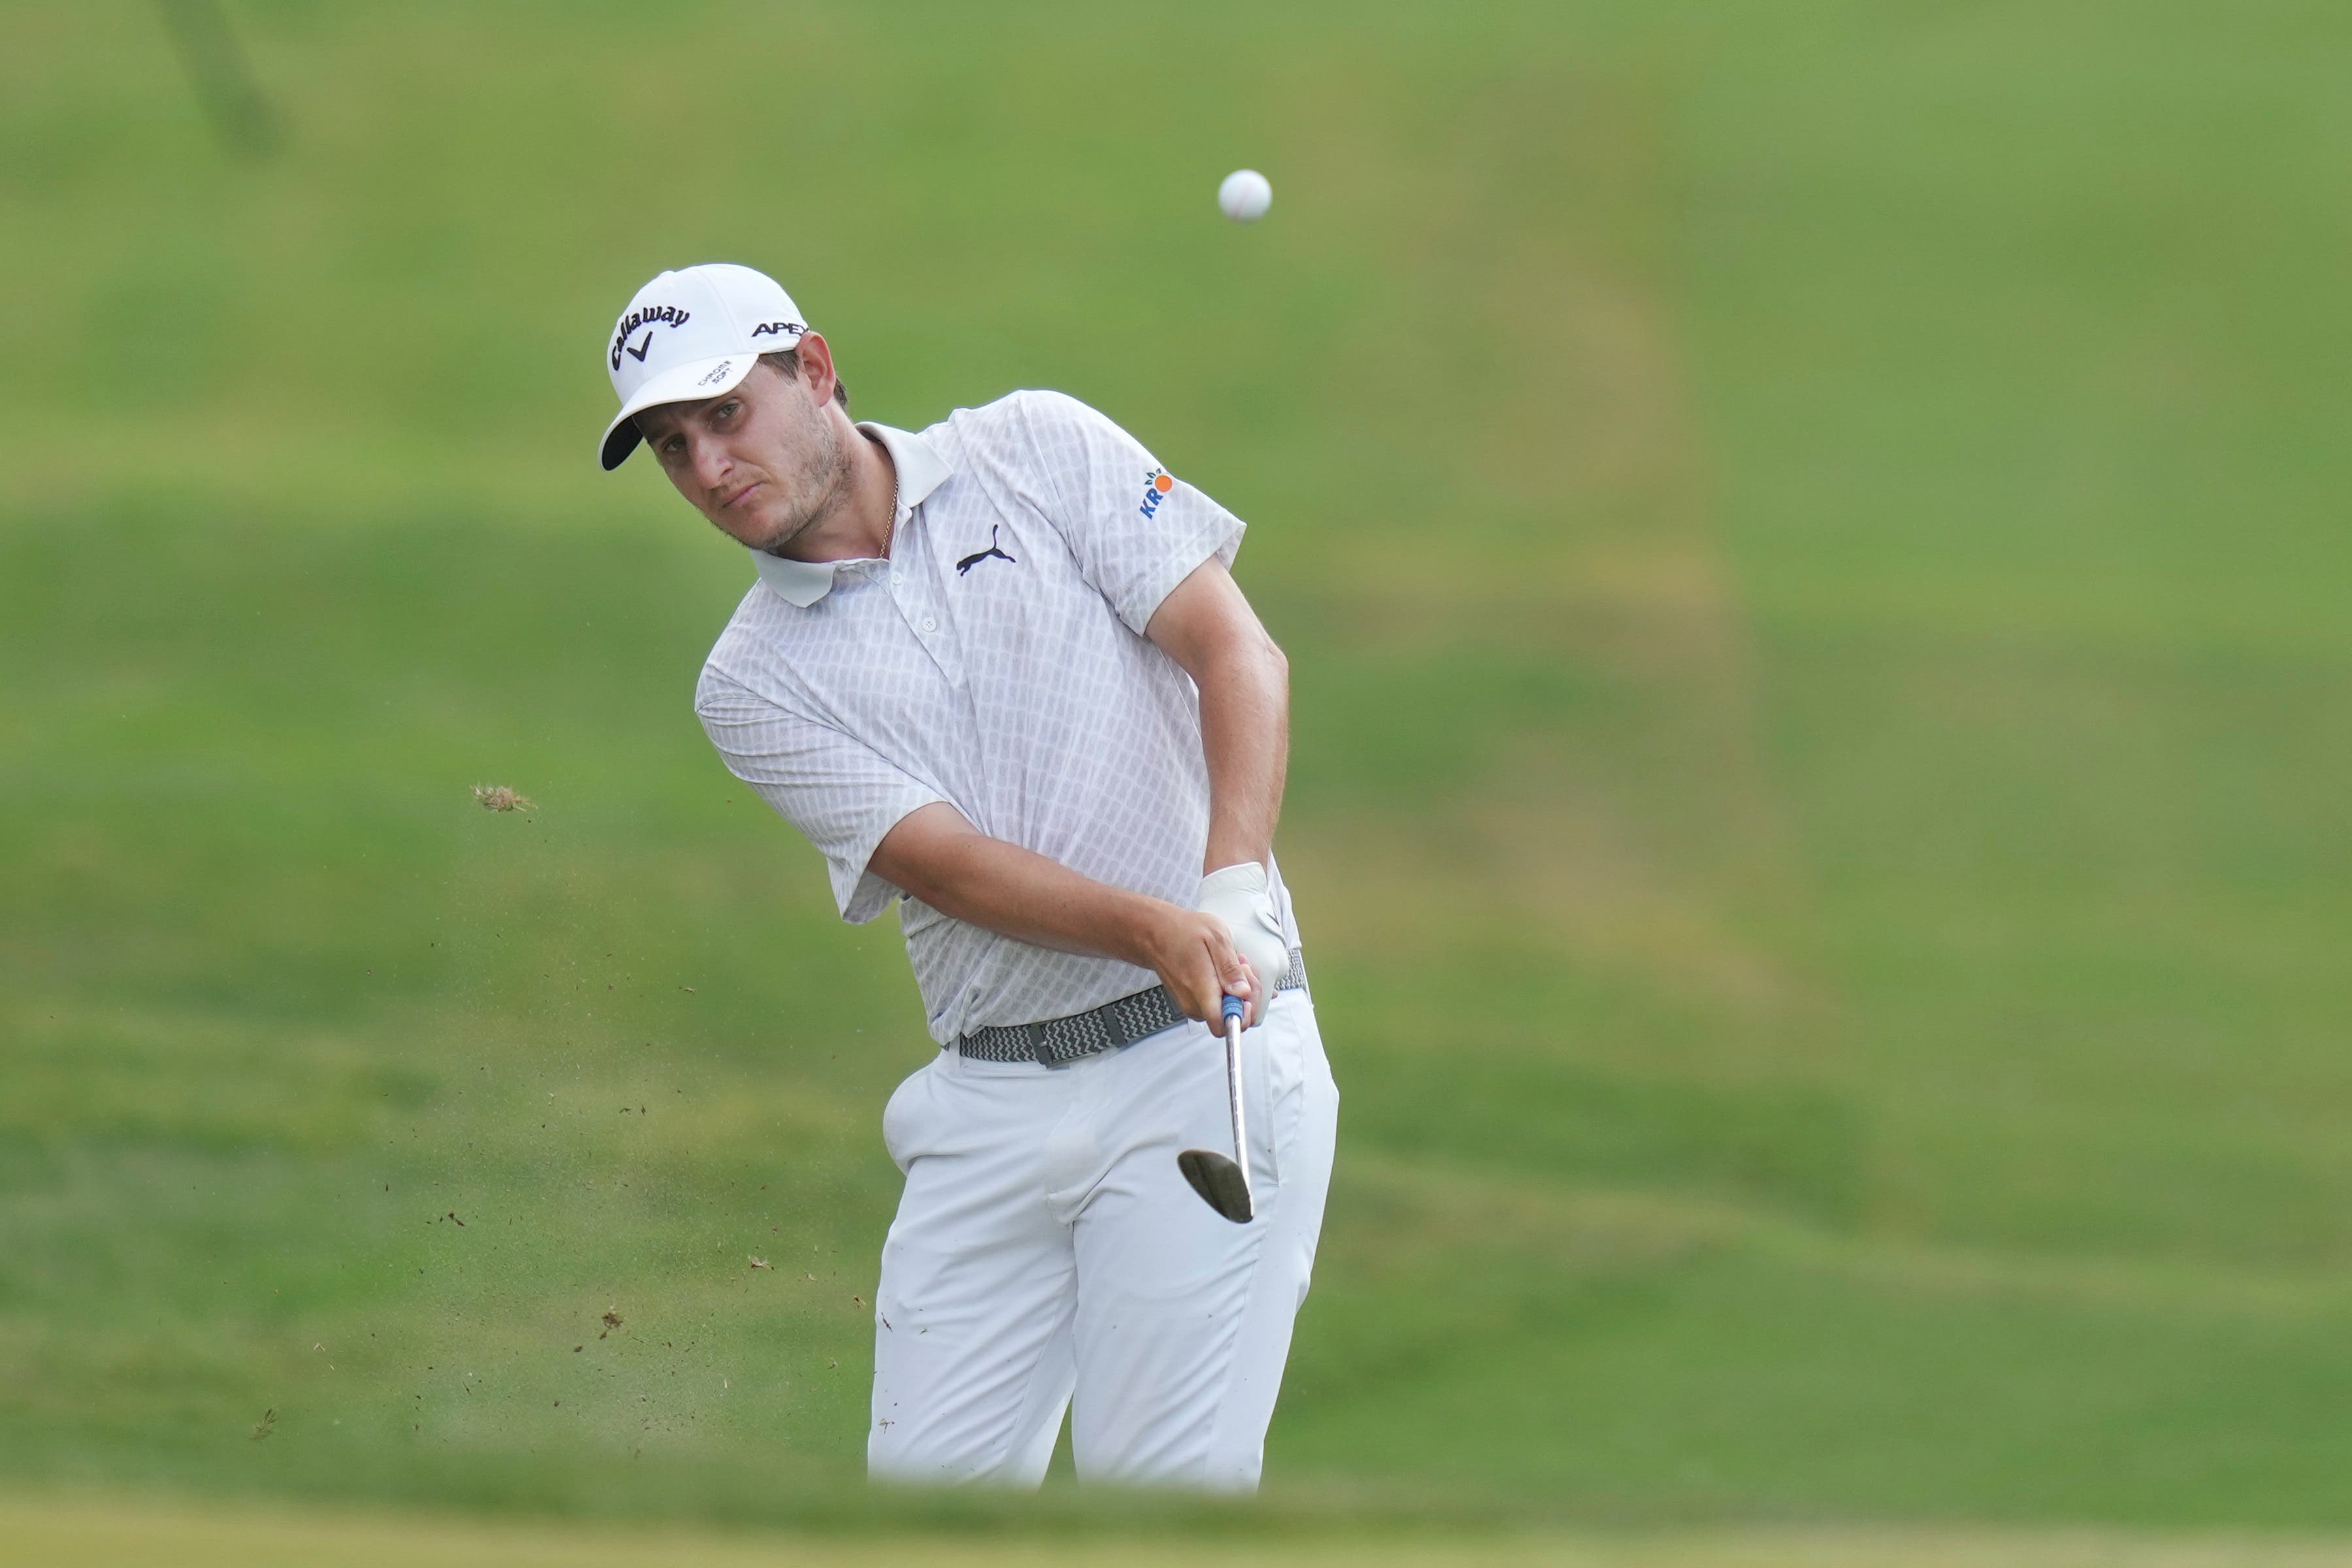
x,y
996,661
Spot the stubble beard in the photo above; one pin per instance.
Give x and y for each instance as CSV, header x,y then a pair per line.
x,y
826,476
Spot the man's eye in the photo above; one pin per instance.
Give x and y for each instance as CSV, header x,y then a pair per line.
x,y
728,410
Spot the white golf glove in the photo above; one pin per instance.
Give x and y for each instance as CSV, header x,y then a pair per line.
x,y
1243,897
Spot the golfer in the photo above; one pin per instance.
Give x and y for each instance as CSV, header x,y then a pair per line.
x,y
997,671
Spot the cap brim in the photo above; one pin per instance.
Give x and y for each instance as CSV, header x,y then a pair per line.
x,y
695,381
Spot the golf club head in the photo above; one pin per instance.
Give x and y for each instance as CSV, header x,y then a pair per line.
x,y
1219,1182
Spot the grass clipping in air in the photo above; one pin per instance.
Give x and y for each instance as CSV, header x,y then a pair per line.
x,y
498,797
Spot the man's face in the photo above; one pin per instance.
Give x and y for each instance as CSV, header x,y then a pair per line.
x,y
764,462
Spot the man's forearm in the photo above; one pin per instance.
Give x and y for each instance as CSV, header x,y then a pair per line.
x,y
938,857
935,854
1246,737
1209,629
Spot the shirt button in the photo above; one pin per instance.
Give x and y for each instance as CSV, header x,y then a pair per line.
x,y
929,624
898,580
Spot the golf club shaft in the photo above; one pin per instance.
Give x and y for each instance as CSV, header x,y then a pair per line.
x,y
1234,1093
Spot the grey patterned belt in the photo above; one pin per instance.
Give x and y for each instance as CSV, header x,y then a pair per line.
x,y
1106,1028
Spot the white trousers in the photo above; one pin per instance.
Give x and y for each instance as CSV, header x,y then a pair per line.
x,y
1047,1254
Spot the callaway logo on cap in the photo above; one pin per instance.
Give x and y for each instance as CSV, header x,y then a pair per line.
x,y
689,335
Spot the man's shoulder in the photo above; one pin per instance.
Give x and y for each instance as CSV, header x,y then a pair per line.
x,y
728,669
1011,426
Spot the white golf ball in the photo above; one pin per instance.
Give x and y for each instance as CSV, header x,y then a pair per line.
x,y
1245,195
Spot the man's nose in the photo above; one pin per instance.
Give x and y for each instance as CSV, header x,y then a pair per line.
x,y
710,462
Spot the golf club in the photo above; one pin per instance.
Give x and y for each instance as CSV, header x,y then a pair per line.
x,y
1223,1184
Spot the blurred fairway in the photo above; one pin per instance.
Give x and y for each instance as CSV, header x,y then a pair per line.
x,y
95,1538
1810,543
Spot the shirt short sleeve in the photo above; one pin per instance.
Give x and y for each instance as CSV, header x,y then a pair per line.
x,y
841,794
1137,529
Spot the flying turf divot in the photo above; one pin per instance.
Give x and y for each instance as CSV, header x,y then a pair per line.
x,y
499,797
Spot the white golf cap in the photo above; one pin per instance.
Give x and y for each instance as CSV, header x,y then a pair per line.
x,y
692,334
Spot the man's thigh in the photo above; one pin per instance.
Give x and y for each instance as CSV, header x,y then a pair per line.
x,y
972,1362
1183,1318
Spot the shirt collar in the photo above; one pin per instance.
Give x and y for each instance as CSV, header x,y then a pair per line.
x,y
921,470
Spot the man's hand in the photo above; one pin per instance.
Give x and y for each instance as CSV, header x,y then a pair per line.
x,y
1193,954
1242,897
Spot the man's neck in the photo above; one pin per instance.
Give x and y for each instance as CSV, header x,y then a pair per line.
x,y
861,530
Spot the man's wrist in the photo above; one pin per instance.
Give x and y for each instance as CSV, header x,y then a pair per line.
x,y
1136,929
1223,855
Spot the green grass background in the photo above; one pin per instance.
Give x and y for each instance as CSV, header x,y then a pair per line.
x,y
1811,542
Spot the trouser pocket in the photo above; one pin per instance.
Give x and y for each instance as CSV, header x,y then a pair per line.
x,y
1278,1077
902,1115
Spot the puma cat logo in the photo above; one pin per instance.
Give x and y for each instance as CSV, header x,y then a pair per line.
x,y
975,561
969,561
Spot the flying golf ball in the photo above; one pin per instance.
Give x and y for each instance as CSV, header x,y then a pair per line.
x,y
1245,195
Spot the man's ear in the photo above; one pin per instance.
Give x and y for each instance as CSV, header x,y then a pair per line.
x,y
816,367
